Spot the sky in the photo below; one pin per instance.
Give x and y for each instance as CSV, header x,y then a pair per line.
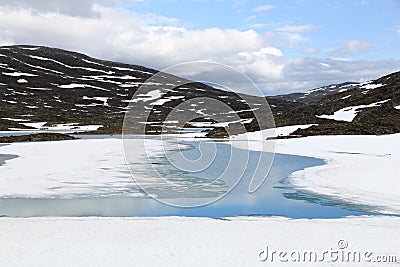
x,y
284,46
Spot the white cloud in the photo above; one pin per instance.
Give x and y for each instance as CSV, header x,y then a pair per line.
x,y
298,28
286,39
79,8
264,8
125,36
352,47
311,51
363,3
398,29
129,37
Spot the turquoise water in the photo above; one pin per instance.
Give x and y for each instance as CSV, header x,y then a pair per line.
x,y
276,197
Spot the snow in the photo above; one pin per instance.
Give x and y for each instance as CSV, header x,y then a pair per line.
x,y
9,101
38,67
360,169
22,81
222,124
18,74
124,69
165,100
91,62
75,85
129,69
70,67
125,77
372,86
176,241
99,98
349,113
36,125
30,48
17,120
61,169
356,172
255,138
149,96
58,128
345,97
348,85
397,107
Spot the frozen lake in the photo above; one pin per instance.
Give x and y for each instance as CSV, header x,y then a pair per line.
x,y
276,197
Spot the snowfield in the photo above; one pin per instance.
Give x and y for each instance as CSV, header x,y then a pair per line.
x,y
173,241
66,169
360,169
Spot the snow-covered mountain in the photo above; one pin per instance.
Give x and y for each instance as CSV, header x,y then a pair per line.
x,y
52,89
55,89
366,108
315,95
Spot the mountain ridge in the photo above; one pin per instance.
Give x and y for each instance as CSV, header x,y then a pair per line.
x,y
42,84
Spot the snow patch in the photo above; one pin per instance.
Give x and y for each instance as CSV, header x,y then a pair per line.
x,y
19,74
349,113
22,81
372,86
76,85
99,98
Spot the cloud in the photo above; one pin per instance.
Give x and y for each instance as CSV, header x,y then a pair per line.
x,y
286,39
352,47
290,35
298,28
305,73
155,41
263,8
363,3
311,51
398,29
79,8
130,37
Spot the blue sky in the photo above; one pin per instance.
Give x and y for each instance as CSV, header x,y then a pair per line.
x,y
284,46
327,25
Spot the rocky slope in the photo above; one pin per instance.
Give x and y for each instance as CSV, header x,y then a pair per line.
x,y
370,108
41,84
48,87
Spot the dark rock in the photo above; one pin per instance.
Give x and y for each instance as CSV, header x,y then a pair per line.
x,y
41,137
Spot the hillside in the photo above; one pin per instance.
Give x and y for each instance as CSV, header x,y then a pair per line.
x,y
47,88
53,86
370,108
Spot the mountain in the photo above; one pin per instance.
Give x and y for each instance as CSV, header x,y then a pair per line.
x,y
44,87
367,108
54,86
315,95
